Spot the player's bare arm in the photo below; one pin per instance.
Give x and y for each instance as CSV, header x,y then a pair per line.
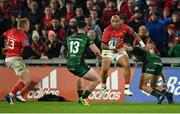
x,y
138,38
96,51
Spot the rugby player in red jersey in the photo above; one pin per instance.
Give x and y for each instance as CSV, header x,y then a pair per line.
x,y
17,41
112,50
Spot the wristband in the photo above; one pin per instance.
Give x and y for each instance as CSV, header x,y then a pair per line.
x,y
142,43
151,51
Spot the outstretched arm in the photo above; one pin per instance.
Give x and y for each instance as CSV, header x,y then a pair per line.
x,y
138,38
96,51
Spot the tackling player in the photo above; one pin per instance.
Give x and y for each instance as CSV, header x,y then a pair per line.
x,y
151,72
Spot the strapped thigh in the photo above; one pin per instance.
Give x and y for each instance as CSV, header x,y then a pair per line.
x,y
17,64
109,54
120,54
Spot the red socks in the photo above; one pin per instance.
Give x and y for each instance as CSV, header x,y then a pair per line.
x,y
103,82
127,82
18,87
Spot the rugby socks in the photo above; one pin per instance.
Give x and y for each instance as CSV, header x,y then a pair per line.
x,y
165,92
80,93
104,80
155,94
86,94
17,87
126,85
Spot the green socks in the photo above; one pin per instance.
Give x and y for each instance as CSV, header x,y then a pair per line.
x,y
80,93
165,92
155,94
86,94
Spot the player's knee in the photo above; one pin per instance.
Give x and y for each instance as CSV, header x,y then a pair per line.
x,y
98,80
28,81
25,80
23,73
154,87
25,77
126,65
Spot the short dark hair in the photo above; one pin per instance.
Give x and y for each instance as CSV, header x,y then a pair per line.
x,y
87,16
81,25
69,2
112,1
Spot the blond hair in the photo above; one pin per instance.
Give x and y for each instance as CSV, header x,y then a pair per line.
x,y
22,22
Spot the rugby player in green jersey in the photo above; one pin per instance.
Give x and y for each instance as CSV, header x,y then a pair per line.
x,y
75,47
151,72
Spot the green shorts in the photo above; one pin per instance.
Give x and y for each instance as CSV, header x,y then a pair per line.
x,y
154,68
79,70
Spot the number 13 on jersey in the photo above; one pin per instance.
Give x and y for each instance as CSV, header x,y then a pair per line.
x,y
11,43
74,46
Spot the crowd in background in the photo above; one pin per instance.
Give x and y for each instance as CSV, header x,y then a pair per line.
x,y
156,21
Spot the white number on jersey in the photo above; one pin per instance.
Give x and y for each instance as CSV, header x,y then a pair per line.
x,y
74,46
11,43
112,43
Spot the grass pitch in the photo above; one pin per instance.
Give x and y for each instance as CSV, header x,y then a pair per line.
x,y
69,107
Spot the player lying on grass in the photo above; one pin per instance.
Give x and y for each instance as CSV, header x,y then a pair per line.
x,y
151,72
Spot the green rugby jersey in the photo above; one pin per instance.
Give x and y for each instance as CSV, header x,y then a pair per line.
x,y
76,46
175,52
145,56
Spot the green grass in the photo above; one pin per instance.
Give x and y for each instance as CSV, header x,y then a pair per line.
x,y
63,107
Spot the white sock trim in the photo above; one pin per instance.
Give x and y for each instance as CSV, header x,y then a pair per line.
x,y
127,86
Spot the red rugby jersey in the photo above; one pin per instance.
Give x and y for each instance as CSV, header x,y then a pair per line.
x,y
17,39
119,34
